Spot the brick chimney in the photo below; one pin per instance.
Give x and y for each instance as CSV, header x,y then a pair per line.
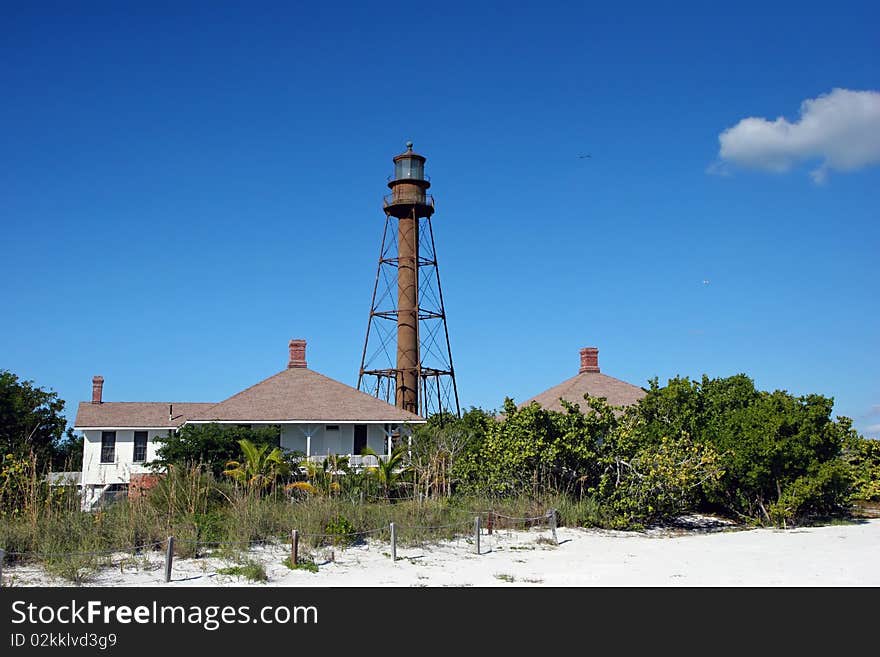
x,y
297,353
589,359
97,389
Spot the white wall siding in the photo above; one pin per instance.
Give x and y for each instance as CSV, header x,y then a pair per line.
x,y
323,442
119,472
293,438
377,439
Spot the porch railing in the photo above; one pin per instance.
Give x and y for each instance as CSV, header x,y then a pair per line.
x,y
356,461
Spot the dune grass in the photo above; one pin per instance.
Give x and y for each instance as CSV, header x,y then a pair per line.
x,y
205,514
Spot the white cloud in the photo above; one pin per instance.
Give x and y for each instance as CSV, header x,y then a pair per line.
x,y
841,129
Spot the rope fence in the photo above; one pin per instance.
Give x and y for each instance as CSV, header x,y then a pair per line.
x,y
94,553
471,529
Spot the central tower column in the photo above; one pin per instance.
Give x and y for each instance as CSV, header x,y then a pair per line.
x,y
408,314
408,203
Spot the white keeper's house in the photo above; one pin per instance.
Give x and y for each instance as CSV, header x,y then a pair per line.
x,y
317,416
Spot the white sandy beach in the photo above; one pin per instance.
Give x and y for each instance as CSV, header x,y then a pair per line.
x,y
839,555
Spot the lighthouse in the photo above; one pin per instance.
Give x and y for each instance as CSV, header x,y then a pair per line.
x,y
407,307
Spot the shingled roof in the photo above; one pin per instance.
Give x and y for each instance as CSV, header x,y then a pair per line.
x,y
298,394
589,381
146,415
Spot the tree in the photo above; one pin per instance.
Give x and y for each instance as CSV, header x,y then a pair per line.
x,y
642,481
533,450
31,421
213,445
260,467
863,455
68,452
436,448
781,454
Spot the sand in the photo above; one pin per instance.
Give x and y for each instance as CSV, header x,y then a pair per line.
x,y
837,555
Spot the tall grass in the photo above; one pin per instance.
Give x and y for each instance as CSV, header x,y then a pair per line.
x,y
201,512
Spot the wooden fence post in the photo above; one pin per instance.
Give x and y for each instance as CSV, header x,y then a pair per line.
x,y
393,542
169,558
477,532
490,523
294,548
553,525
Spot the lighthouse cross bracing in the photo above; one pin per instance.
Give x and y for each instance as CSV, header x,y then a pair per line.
x,y
407,358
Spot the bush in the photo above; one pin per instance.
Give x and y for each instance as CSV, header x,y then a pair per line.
x,y
248,569
211,444
340,531
822,493
650,483
535,451
185,490
863,455
303,563
776,450
210,526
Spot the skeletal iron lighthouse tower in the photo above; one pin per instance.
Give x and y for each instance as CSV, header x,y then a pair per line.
x,y
407,316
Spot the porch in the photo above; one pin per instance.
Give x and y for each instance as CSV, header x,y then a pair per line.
x,y
355,461
319,441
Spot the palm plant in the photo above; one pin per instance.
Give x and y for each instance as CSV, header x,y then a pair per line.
x,y
321,478
388,473
260,467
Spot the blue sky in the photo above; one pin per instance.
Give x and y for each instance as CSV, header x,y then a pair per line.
x,y
187,186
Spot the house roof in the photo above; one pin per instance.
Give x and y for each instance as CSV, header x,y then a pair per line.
x,y
148,415
594,384
299,394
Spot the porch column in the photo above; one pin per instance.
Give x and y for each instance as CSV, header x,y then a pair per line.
x,y
308,442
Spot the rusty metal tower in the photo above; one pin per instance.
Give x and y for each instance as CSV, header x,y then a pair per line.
x,y
407,310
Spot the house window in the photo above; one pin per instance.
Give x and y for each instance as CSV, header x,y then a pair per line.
x,y
331,427
108,446
140,446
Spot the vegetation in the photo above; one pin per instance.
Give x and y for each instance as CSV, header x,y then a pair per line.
x,y
214,445
714,445
260,467
31,422
781,455
302,563
340,531
327,478
863,457
248,568
441,443
389,473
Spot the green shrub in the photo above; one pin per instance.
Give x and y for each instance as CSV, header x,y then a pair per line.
x,y
340,531
863,455
303,563
658,482
820,493
248,569
213,445
211,526
781,455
